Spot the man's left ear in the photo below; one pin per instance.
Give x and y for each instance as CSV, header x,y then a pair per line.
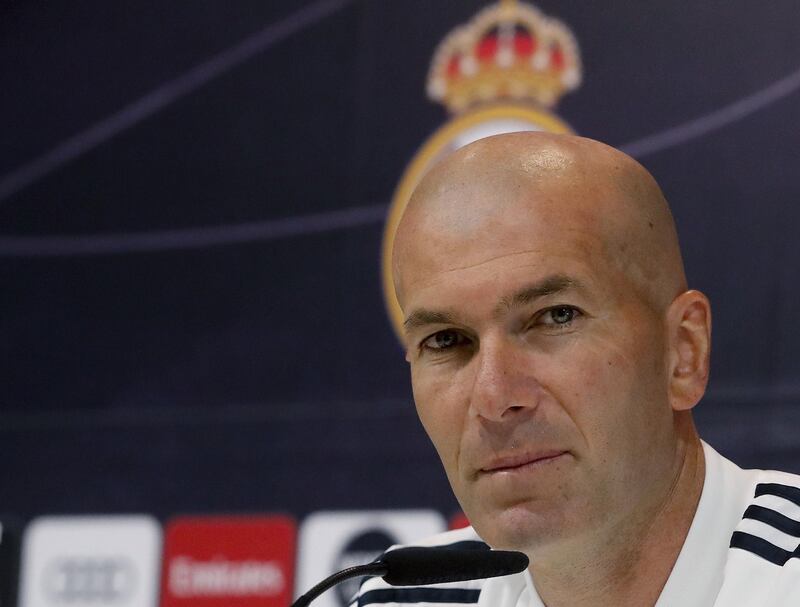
x,y
689,332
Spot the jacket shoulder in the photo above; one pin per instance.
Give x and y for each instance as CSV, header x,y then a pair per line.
x,y
770,525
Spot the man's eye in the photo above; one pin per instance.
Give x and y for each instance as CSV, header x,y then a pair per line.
x,y
442,340
560,315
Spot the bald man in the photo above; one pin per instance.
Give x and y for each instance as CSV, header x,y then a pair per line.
x,y
556,354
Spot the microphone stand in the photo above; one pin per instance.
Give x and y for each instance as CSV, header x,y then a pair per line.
x,y
372,569
414,566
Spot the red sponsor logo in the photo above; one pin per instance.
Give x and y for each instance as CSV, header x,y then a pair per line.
x,y
239,561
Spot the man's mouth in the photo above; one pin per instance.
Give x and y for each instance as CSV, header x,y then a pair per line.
x,y
521,461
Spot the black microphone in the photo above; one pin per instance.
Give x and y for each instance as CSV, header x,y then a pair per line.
x,y
418,566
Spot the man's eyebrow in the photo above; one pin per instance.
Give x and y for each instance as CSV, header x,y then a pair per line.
x,y
551,285
548,286
419,318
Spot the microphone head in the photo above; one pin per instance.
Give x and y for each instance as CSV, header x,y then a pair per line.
x,y
419,566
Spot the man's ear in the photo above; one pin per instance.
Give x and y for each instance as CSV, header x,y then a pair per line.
x,y
689,333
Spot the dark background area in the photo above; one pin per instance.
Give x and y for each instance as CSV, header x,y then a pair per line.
x,y
261,373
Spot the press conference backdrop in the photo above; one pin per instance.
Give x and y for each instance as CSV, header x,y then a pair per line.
x,y
192,204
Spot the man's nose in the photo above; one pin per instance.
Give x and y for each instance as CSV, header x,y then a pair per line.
x,y
503,382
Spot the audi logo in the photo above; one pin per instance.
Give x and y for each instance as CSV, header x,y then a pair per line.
x,y
103,580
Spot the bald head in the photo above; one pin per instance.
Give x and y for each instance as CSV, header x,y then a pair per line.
x,y
533,189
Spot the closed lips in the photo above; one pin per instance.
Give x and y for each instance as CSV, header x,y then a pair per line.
x,y
517,461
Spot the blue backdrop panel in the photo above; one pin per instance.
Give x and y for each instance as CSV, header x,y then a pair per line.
x,y
191,209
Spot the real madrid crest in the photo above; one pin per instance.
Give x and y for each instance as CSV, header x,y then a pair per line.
x,y
503,71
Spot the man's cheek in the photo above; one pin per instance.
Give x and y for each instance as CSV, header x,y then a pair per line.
x,y
424,400
445,441
442,432
433,395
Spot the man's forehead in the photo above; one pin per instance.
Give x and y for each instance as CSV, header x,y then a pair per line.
x,y
546,234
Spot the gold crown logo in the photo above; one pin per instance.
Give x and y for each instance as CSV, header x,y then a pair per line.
x,y
509,51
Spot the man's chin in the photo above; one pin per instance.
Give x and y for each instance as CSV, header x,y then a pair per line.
x,y
519,527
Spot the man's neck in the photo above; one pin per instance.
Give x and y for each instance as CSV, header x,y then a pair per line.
x,y
627,567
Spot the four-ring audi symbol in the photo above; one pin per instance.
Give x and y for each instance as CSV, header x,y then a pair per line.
x,y
103,580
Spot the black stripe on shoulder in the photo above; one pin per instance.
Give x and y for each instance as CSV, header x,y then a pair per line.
x,y
419,595
773,519
760,547
785,491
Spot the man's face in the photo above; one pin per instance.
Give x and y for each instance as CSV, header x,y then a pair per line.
x,y
538,368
